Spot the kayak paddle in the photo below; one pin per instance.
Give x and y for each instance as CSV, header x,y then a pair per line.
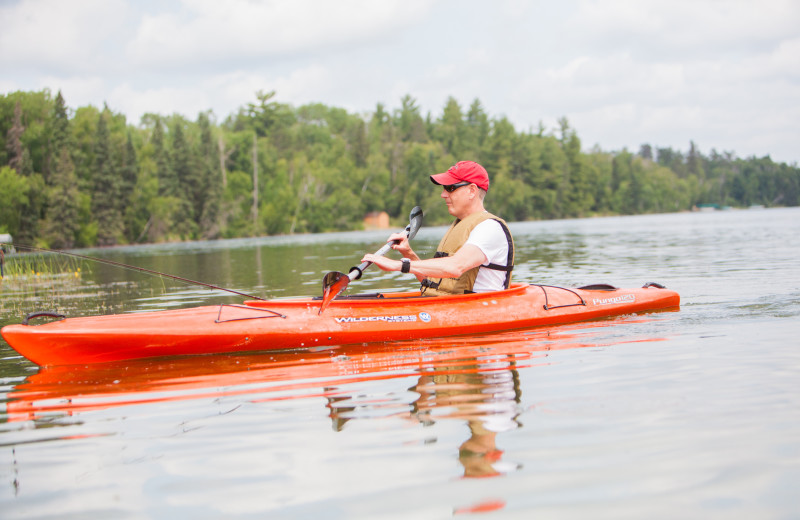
x,y
335,282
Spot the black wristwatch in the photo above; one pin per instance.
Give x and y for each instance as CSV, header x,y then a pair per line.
x,y
406,267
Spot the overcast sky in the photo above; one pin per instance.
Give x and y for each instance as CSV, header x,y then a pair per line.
x,y
723,73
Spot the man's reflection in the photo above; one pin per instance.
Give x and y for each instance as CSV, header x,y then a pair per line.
x,y
484,392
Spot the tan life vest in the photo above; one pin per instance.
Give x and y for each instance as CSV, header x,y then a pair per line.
x,y
452,241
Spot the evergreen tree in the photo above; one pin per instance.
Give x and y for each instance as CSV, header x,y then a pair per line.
x,y
267,118
360,142
129,171
320,168
449,131
478,130
61,216
378,123
637,187
694,162
189,187
181,161
498,148
621,178
61,225
578,196
210,197
409,121
14,140
106,194
59,136
14,191
673,160
167,180
19,160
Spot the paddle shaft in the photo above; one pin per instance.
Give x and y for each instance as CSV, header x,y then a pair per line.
x,y
335,282
356,272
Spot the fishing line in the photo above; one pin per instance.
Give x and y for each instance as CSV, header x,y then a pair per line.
x,y
134,268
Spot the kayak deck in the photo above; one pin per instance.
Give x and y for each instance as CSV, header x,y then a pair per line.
x,y
287,324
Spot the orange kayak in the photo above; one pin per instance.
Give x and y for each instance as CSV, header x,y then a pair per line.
x,y
297,323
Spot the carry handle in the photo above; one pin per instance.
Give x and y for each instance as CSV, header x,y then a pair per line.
x,y
40,314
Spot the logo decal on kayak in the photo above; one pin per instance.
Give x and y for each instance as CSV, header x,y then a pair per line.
x,y
625,298
388,319
424,316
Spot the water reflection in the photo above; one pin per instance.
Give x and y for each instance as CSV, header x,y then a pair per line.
x,y
485,394
472,379
476,373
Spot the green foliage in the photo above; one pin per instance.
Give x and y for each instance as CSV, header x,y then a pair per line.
x,y
31,210
87,177
35,112
84,132
13,197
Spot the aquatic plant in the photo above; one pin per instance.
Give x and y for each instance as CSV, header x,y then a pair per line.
x,y
33,265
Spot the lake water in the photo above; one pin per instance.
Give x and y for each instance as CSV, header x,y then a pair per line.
x,y
686,414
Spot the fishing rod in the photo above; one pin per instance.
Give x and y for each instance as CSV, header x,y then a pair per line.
x,y
134,268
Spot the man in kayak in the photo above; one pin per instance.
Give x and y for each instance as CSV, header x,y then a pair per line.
x,y
477,252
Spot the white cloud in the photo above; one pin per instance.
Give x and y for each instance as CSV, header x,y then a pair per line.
x,y
238,30
225,93
725,73
680,26
784,60
66,37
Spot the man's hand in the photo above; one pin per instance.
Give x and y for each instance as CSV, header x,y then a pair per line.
x,y
386,264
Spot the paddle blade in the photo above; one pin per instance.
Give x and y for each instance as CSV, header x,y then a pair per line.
x,y
332,285
414,222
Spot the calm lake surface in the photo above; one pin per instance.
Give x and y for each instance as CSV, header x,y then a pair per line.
x,y
686,414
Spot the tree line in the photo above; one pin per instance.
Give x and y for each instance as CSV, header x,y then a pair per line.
x,y
86,177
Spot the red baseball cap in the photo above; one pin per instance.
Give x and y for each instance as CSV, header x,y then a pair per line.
x,y
464,171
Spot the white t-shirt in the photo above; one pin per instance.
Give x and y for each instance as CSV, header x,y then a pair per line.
x,y
489,237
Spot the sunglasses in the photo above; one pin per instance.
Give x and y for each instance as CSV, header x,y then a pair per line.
x,y
450,188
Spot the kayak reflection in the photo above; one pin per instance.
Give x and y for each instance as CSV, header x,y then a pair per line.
x,y
478,360
470,379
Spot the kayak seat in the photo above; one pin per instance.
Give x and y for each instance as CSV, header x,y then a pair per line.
x,y
598,287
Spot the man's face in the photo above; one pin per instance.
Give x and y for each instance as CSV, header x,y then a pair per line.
x,y
458,198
